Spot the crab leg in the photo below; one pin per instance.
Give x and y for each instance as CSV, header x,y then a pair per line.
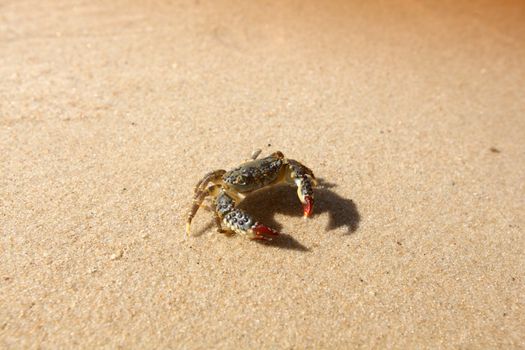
x,y
197,202
239,221
212,176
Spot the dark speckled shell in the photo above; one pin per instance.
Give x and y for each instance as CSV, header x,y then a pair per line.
x,y
254,175
239,220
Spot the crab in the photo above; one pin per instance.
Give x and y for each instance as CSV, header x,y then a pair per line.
x,y
228,188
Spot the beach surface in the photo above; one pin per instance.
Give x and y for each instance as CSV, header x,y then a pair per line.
x,y
411,114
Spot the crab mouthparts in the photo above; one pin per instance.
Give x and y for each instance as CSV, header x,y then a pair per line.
x,y
308,206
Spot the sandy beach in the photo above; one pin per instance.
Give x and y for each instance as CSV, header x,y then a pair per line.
x,y
411,114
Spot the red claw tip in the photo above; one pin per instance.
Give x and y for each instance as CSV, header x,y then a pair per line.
x,y
308,205
265,230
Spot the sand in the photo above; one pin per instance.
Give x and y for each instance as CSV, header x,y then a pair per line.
x,y
412,114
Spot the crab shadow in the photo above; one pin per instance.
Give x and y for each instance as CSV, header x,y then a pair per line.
x,y
282,199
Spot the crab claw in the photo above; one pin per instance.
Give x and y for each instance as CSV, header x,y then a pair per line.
x,y
308,206
262,232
